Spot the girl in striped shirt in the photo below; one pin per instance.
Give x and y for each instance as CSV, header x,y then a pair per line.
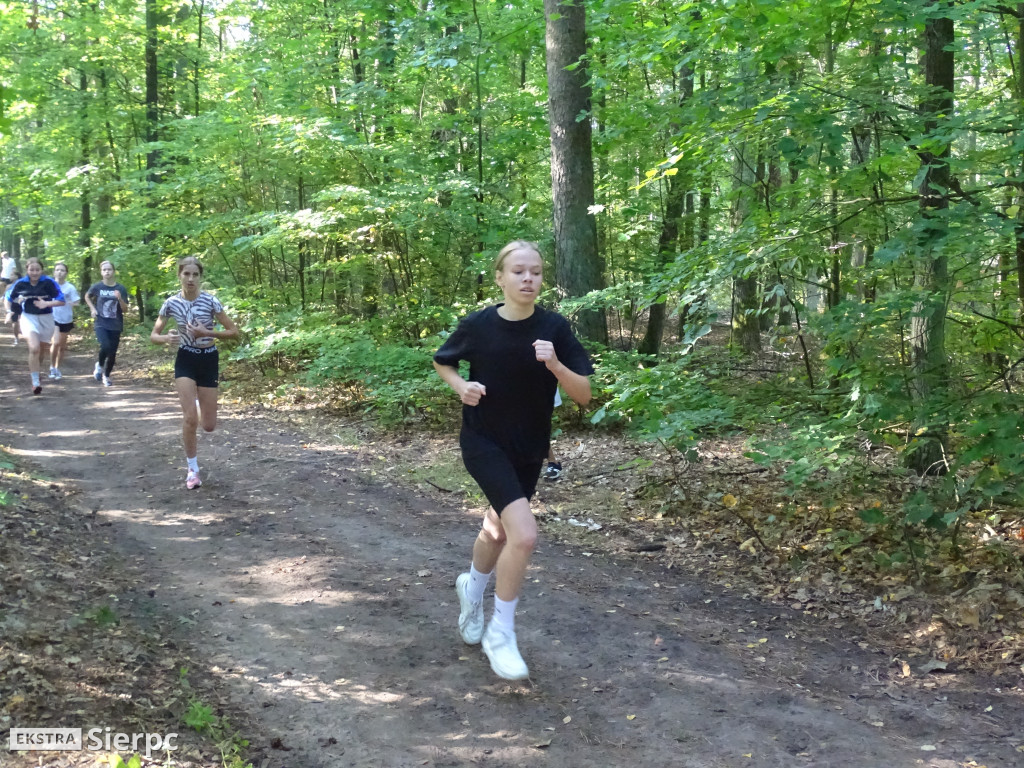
x,y
196,367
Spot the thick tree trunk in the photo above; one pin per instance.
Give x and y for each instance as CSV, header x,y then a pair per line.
x,y
929,367
577,264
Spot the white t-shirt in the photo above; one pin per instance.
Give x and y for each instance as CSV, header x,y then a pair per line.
x,y
71,297
7,269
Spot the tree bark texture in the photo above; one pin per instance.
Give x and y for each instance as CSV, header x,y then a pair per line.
x,y
578,268
929,367
746,328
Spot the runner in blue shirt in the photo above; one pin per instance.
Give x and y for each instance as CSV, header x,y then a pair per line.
x,y
37,295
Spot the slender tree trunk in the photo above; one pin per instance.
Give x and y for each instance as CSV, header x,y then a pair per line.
x,y
929,367
746,328
577,264
1019,228
152,89
668,240
84,234
302,244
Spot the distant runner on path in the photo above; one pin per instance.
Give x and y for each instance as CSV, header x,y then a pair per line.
x,y
197,366
9,274
108,301
63,317
518,354
38,295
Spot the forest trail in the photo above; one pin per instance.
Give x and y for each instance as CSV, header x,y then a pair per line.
x,y
322,600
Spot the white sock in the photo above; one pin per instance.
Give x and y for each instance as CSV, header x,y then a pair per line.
x,y
193,463
35,379
504,616
477,584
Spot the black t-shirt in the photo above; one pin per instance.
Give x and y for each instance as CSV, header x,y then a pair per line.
x,y
109,314
46,288
516,411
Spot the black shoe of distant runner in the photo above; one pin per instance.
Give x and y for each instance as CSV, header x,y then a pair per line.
x,y
37,390
553,471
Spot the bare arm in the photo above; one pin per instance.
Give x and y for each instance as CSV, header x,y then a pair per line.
x,y
157,336
576,385
230,329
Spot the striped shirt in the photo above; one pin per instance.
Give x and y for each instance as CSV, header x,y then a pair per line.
x,y
203,310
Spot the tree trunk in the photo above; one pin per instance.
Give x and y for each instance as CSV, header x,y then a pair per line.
x,y
746,330
929,367
84,234
1019,228
668,240
577,264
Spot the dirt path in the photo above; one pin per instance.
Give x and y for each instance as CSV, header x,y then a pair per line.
x,y
323,600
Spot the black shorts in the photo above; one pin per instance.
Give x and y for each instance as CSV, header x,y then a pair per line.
x,y
501,477
65,327
200,365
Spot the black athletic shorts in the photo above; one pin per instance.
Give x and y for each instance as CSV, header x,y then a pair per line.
x,y
200,365
65,327
501,477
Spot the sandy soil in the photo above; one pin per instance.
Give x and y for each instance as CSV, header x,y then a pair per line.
x,y
321,598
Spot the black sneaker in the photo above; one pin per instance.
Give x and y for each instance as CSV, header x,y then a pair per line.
x,y
553,471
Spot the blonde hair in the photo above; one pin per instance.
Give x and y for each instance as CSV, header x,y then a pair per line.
x,y
515,245
108,261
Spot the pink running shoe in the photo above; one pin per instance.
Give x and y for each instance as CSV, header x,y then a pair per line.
x,y
192,480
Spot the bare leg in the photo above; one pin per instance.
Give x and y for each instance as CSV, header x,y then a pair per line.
x,y
208,407
187,391
506,543
34,352
58,348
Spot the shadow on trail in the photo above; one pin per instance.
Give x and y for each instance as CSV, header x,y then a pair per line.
x,y
323,600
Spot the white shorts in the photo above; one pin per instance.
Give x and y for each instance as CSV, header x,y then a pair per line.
x,y
40,325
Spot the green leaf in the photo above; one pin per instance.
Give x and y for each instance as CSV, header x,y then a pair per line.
x,y
873,516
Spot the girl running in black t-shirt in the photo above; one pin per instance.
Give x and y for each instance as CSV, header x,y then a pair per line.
x,y
518,354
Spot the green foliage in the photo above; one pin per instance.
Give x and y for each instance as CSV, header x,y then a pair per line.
x,y
393,381
116,761
199,717
674,402
103,616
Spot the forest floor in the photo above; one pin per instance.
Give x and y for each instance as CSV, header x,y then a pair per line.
x,y
302,599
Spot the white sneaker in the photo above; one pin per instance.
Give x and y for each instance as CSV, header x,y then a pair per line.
x,y
503,653
56,374
471,615
97,373
192,480
53,373
107,382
